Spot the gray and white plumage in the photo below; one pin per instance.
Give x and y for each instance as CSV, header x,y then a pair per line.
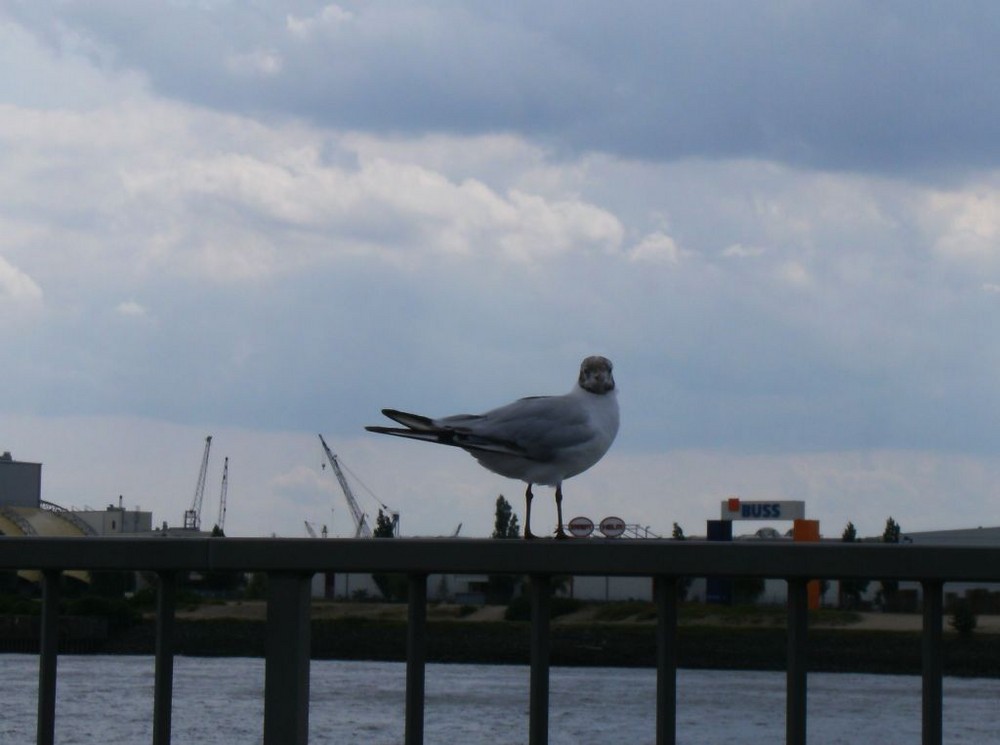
x,y
540,440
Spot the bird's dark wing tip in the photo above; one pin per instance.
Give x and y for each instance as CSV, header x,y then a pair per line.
x,y
411,421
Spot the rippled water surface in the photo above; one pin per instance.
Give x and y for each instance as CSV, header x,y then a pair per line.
x,y
108,700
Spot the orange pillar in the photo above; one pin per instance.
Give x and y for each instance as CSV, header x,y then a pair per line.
x,y
808,530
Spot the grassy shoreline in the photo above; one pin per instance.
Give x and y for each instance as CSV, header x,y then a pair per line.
x,y
592,644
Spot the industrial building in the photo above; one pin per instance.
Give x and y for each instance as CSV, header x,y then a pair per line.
x,y
24,512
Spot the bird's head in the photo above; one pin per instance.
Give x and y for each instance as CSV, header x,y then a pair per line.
x,y
595,375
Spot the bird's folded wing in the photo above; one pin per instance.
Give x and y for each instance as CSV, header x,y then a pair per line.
x,y
445,436
538,426
535,428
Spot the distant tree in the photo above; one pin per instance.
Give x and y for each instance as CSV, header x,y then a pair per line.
x,y
504,520
500,587
891,532
890,587
385,526
392,586
678,534
963,619
850,534
851,590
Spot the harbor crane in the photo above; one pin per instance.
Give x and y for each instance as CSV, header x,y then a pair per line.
x,y
220,524
192,517
312,531
361,527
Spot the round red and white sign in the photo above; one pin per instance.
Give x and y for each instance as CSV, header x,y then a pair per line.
x,y
612,527
581,527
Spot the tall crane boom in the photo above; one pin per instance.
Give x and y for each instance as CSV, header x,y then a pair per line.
x,y
192,517
361,527
221,522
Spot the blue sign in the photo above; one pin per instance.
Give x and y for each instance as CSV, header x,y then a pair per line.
x,y
735,508
760,511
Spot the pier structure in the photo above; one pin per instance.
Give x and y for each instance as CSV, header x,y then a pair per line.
x,y
290,564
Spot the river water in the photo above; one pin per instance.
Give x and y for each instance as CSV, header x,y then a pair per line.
x,y
107,700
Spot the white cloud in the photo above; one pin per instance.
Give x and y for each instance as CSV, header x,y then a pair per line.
x,y
63,76
302,485
17,289
498,158
160,192
264,62
330,16
969,223
296,191
542,228
794,273
131,309
739,251
658,248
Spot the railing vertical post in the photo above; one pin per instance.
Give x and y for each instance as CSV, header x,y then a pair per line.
x,y
416,653
795,694
933,665
541,601
163,686
48,657
665,591
286,675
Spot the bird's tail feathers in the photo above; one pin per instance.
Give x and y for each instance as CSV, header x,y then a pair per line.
x,y
410,421
412,434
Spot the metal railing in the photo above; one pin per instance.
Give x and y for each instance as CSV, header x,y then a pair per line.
x,y
290,564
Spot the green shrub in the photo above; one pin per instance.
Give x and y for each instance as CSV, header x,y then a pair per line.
x,y
519,608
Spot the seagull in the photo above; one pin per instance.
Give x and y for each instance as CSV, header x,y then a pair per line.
x,y
540,440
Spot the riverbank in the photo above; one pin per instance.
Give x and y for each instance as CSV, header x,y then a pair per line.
x,y
707,638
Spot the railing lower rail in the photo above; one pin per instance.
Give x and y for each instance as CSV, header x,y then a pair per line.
x,y
290,563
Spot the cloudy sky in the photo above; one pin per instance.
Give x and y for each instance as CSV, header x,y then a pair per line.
x,y
266,220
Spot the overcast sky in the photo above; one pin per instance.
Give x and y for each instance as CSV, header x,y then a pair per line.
x,y
267,220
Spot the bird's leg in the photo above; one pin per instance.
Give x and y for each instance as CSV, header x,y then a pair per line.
x,y
528,496
560,533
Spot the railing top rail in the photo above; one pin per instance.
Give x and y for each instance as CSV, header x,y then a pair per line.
x,y
477,556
